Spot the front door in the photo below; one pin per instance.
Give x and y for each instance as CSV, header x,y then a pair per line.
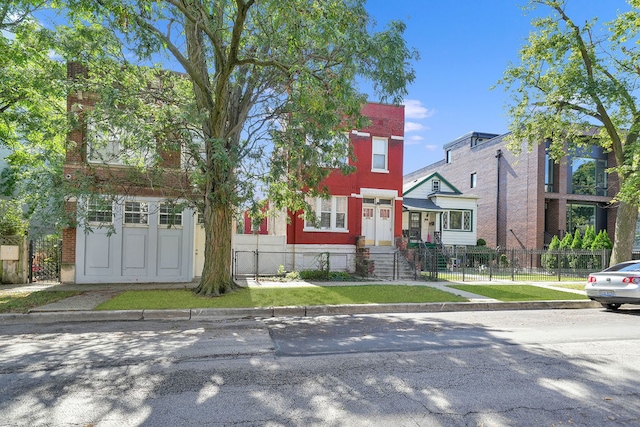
x,y
415,231
384,226
368,225
377,222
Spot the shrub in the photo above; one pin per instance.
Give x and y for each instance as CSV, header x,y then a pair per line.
x,y
292,275
314,275
589,237
550,260
481,242
12,222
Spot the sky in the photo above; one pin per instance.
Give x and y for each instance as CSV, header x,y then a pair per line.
x,y
465,46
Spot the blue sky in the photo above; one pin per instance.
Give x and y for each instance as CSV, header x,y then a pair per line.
x,y
465,46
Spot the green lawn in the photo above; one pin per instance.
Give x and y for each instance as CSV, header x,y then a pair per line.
x,y
25,301
272,297
518,292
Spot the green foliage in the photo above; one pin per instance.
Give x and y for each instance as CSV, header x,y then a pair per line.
x,y
572,75
23,302
12,221
550,260
519,292
504,261
602,241
577,240
481,242
589,237
281,271
33,120
292,276
566,241
277,297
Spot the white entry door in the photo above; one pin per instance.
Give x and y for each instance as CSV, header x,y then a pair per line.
x,y
377,223
384,226
369,225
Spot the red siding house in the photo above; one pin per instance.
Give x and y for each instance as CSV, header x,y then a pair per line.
x,y
365,203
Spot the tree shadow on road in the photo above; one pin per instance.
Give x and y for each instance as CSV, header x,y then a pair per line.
x,y
335,370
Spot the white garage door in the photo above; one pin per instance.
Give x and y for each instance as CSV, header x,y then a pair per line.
x,y
139,240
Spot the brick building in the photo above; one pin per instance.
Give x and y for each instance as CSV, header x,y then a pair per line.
x,y
526,199
134,232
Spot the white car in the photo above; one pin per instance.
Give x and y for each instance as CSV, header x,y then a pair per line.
x,y
615,285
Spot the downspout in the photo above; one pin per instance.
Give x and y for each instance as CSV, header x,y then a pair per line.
x,y
498,157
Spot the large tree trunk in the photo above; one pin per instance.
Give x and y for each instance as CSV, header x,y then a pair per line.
x,y
216,275
625,232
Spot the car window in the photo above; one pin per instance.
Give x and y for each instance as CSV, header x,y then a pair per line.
x,y
635,266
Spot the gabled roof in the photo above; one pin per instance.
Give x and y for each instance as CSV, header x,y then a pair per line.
x,y
410,186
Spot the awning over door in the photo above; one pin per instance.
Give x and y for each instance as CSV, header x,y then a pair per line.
x,y
419,205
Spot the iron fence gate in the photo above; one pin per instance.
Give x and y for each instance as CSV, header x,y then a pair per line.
x,y
45,254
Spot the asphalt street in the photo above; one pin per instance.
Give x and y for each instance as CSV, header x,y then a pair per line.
x,y
480,368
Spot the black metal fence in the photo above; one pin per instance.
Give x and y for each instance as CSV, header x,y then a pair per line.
x,y
45,255
485,264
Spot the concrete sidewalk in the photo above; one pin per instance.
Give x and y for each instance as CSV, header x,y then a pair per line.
x,y
80,307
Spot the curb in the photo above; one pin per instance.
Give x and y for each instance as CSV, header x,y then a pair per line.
x,y
215,314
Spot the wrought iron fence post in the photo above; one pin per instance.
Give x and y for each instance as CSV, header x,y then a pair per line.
x,y
31,256
234,266
513,268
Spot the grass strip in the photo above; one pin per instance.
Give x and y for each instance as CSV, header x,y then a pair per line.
x,y
277,297
24,301
519,292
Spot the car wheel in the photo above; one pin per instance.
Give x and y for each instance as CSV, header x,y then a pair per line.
x,y
610,306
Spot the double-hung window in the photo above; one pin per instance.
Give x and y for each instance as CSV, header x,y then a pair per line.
x,y
380,159
330,214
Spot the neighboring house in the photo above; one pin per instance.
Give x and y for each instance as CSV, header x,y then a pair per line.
x,y
365,205
524,200
437,212
137,234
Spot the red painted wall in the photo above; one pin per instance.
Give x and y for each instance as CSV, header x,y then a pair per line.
x,y
247,224
386,120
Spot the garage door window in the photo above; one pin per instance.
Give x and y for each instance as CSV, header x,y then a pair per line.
x,y
100,211
136,213
170,215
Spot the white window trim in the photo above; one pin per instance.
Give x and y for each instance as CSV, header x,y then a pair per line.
x,y
160,215
317,204
141,212
386,155
88,209
435,185
447,221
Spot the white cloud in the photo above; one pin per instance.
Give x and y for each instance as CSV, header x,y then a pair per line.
x,y
413,127
413,140
413,109
431,147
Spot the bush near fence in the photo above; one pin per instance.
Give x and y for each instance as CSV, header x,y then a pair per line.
x,y
482,263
